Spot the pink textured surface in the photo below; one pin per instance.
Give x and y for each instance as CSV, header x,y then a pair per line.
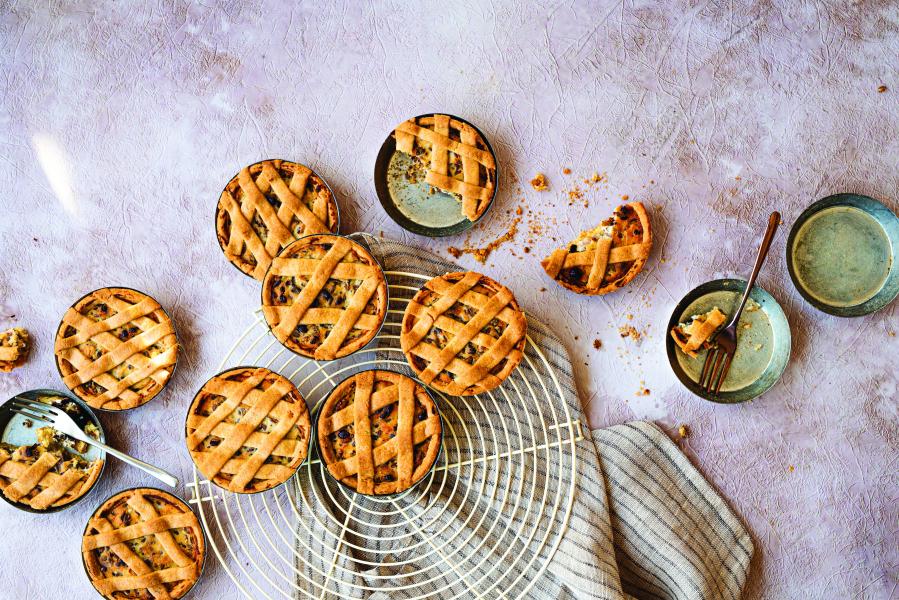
x,y
120,124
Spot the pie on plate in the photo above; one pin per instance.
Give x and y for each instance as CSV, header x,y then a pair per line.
x,y
463,333
693,336
50,473
14,347
324,297
455,158
379,432
143,544
116,348
606,258
248,429
268,205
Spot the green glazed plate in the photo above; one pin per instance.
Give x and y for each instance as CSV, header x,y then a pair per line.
x,y
763,340
841,254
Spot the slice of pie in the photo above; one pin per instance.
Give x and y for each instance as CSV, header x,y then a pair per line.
x,y
248,429
455,158
116,348
379,432
14,347
143,544
463,333
606,258
324,297
268,205
51,472
691,337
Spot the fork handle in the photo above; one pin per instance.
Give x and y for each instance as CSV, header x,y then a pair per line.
x,y
773,222
156,472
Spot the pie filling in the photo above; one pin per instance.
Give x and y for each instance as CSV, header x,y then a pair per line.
x,y
623,228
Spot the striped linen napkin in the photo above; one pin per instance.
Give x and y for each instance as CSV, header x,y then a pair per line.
x,y
644,522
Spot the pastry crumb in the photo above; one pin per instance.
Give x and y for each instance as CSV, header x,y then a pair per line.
x,y
629,331
454,252
625,197
539,183
683,431
597,344
566,171
791,468
891,333
481,254
644,391
882,89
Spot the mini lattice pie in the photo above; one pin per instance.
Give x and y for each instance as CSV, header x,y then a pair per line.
x,y
455,157
267,206
248,429
691,337
143,544
50,472
324,297
463,333
379,432
606,258
116,348
14,346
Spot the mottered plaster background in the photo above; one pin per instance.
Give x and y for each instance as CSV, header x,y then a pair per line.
x,y
121,122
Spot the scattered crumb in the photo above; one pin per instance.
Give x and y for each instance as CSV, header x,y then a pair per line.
x,y
747,325
577,337
752,305
644,391
683,431
527,250
454,252
629,331
891,333
543,289
28,423
757,347
791,468
630,317
481,254
539,183
625,197
567,171
597,344
882,89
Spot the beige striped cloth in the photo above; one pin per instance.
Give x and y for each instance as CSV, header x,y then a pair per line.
x,y
644,523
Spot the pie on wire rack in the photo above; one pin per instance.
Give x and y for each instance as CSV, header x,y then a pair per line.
x,y
463,333
324,297
268,205
455,158
248,429
379,432
116,348
143,544
606,258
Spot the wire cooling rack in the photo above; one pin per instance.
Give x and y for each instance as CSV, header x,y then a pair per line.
x,y
484,524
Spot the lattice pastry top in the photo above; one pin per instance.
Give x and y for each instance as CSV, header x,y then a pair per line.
x,y
379,432
116,348
267,206
463,333
143,544
248,429
606,258
456,158
693,336
324,297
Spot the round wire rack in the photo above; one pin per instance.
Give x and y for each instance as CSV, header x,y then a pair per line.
x,y
483,524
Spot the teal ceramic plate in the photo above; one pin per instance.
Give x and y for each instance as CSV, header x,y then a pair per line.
x,y
763,340
410,202
841,255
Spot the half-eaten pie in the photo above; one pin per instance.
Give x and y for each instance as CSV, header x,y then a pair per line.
x,y
455,158
463,333
248,429
324,297
14,346
143,544
51,472
606,258
267,206
116,348
691,337
379,432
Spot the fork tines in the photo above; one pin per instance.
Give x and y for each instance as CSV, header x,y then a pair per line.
x,y
711,378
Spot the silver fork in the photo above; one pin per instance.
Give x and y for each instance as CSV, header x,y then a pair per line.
x,y
45,413
725,341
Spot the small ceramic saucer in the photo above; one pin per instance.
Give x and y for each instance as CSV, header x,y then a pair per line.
x,y
415,205
841,254
763,340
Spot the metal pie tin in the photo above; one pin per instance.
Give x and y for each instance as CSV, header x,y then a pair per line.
x,y
14,429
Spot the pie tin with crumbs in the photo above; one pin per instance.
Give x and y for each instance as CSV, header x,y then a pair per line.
x,y
351,489
15,430
763,349
355,239
215,214
174,329
432,215
308,442
193,587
